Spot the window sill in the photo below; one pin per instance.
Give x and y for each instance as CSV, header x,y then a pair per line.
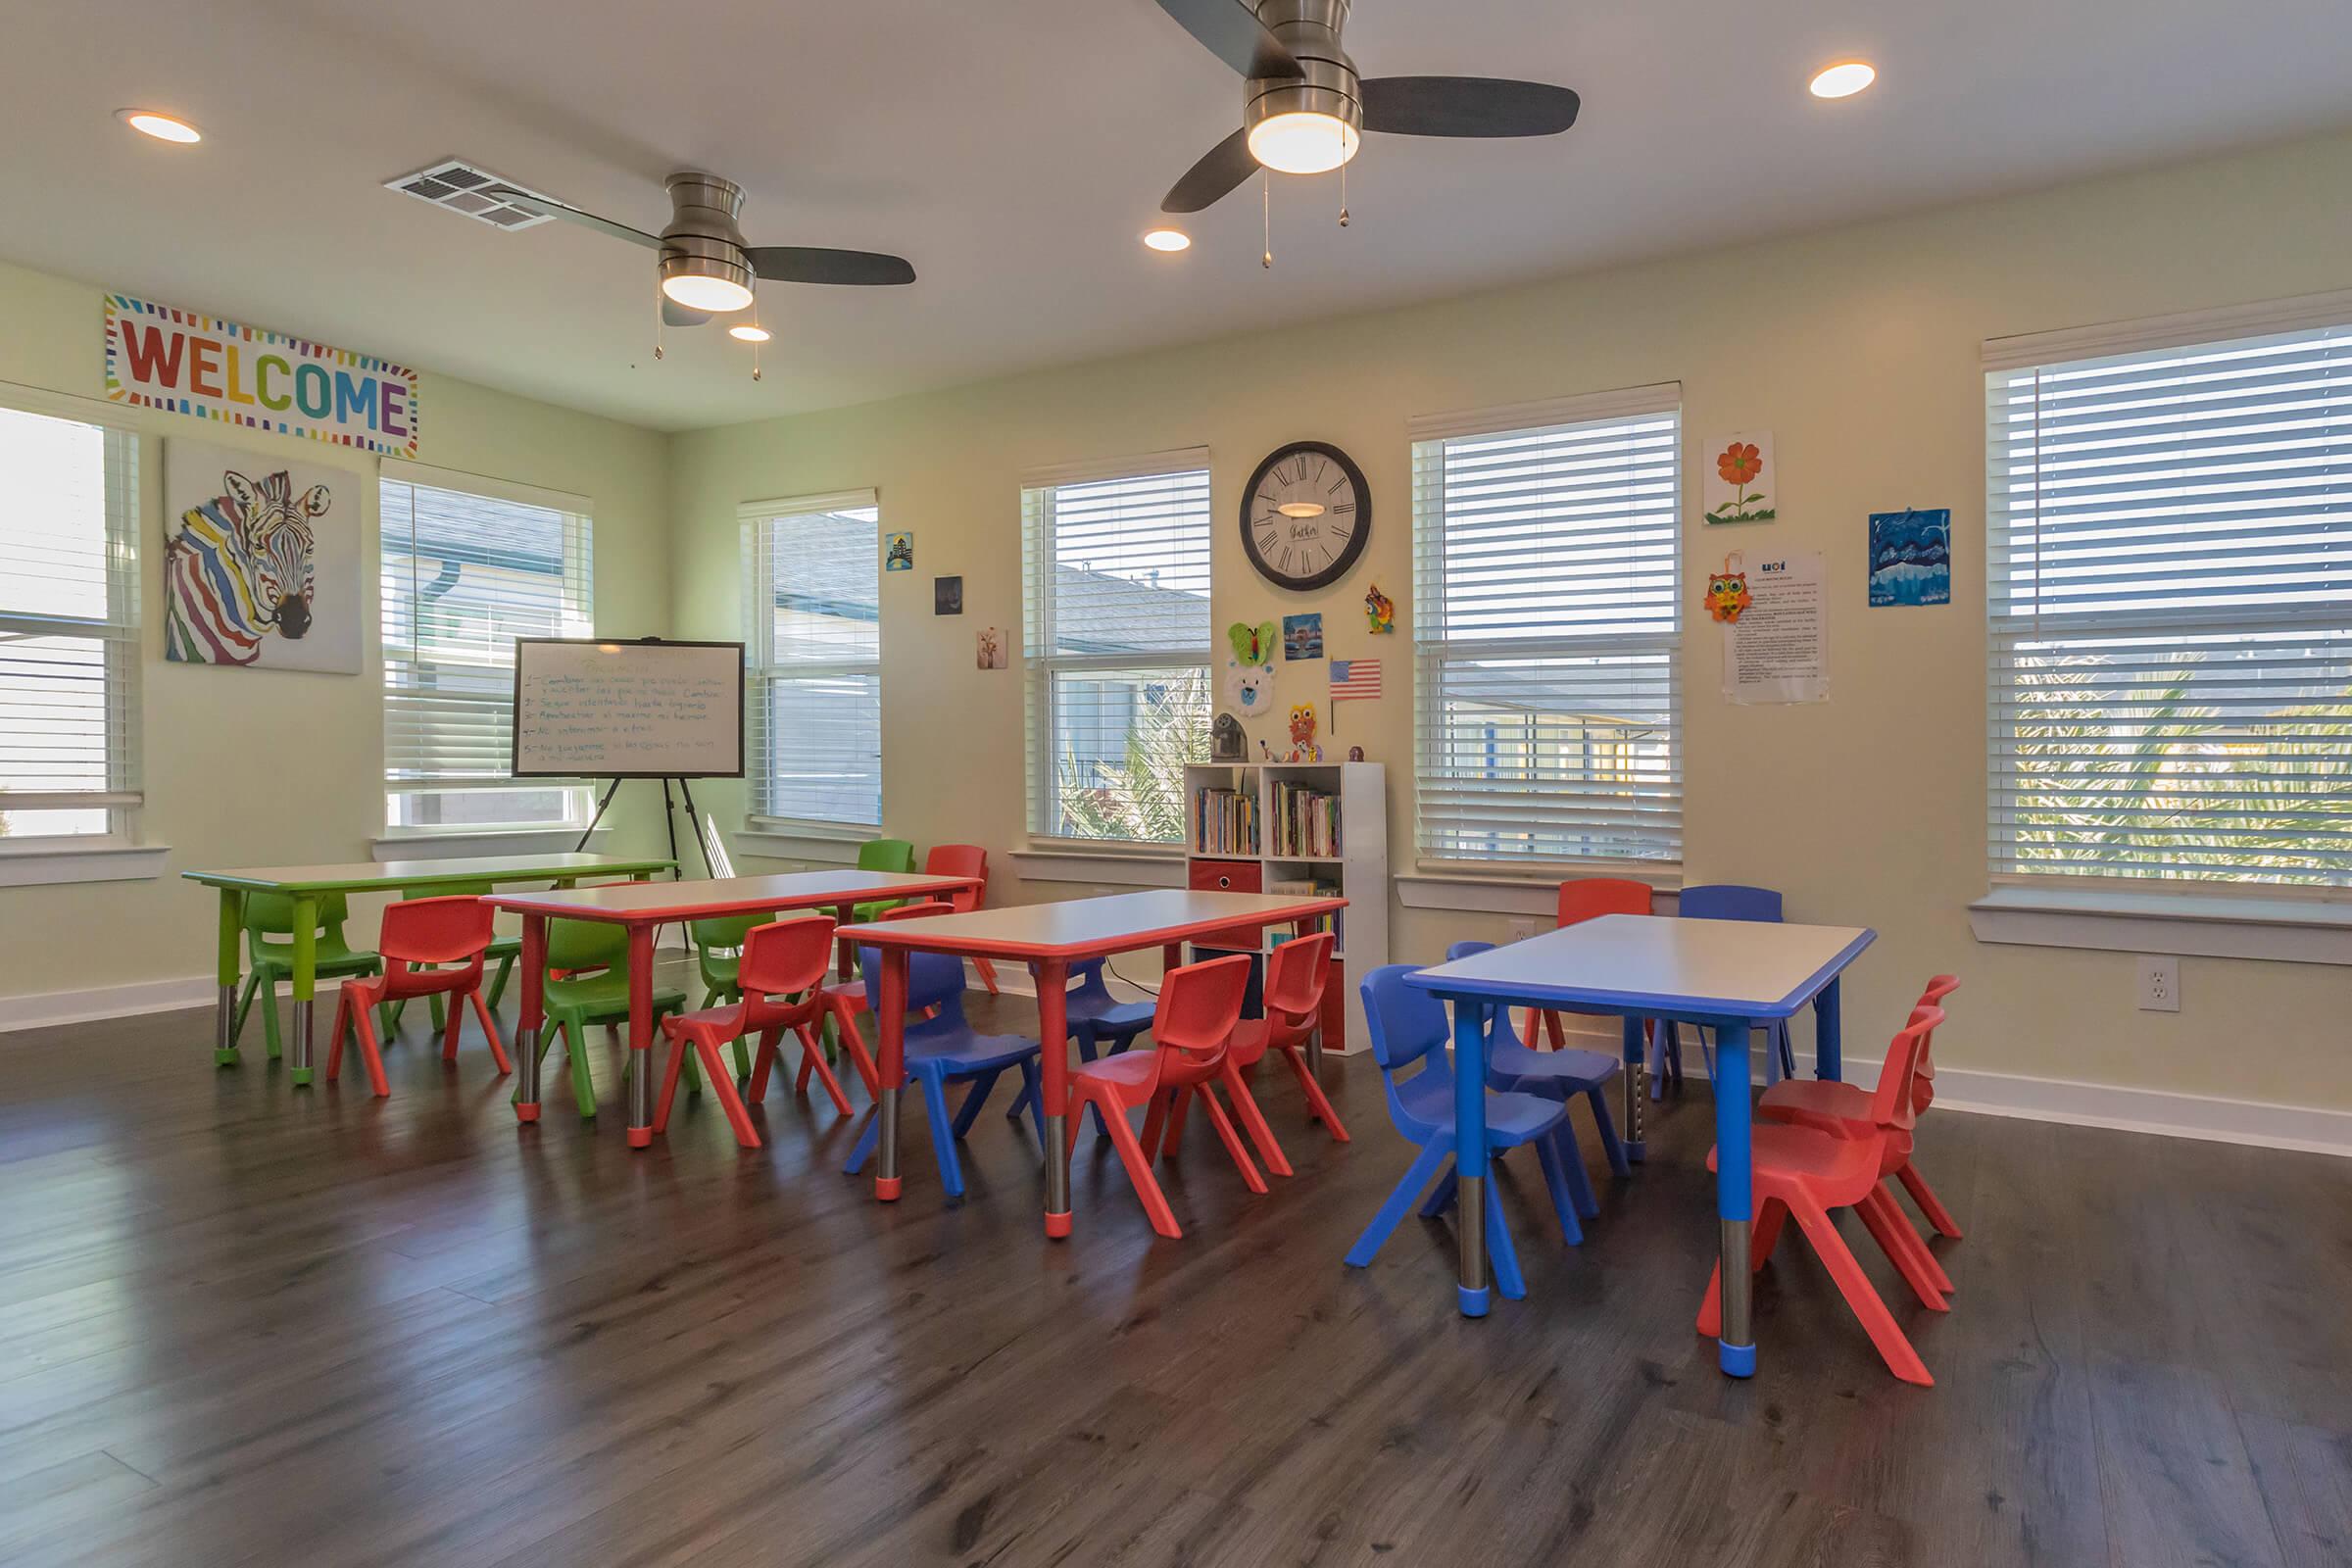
x,y
1483,891
31,863
1046,861
803,841
430,845
2283,929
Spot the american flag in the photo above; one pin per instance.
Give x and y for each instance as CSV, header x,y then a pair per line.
x,y
1354,679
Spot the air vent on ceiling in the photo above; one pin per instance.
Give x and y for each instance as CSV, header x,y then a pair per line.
x,y
460,186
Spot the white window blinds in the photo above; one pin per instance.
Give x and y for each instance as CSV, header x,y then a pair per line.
x,y
465,572
1546,624
1117,644
813,620
2169,602
68,626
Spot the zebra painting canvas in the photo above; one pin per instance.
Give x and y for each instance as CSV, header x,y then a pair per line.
x,y
258,563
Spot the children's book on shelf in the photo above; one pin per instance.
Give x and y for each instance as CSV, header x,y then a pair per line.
x,y
1307,821
1224,822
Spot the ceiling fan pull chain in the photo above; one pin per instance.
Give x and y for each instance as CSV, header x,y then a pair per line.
x,y
1265,209
1342,195
656,327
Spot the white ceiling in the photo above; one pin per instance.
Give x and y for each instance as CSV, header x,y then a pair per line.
x,y
1015,149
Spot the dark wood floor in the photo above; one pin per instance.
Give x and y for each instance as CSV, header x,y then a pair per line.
x,y
245,1324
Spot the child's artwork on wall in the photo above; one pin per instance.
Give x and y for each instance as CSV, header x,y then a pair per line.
x,y
1741,478
1252,645
898,552
1303,748
1380,612
1302,636
1249,688
1726,591
992,647
947,596
260,561
1911,557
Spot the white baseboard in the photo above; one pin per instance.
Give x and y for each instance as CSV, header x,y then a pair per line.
x,y
41,1009
2261,1124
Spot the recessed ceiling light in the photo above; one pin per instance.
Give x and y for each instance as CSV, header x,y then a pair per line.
x,y
1168,239
1843,79
750,334
162,127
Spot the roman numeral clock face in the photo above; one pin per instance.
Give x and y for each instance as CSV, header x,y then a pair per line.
x,y
1306,515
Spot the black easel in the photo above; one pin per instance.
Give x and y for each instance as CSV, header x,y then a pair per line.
x,y
669,820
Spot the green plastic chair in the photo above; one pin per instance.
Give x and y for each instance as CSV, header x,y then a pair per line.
x,y
573,1004
882,855
718,955
269,949
504,949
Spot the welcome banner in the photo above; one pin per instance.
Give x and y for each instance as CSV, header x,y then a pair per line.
x,y
183,361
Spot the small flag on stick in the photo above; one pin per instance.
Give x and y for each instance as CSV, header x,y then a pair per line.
x,y
1352,680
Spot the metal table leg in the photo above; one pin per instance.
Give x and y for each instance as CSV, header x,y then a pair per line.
x,y
224,1022
891,1027
1636,1091
1829,1045
1734,1198
306,984
1470,1152
1054,1083
532,1017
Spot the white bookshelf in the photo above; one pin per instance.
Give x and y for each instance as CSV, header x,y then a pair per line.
x,y
1358,871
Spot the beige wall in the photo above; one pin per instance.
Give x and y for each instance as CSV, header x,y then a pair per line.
x,y
259,767
1860,348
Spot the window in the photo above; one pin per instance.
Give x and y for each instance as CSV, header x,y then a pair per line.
x,y
812,625
466,571
2170,600
1117,644
69,628
1546,624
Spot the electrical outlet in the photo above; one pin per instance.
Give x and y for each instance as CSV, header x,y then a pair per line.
x,y
2159,984
1521,930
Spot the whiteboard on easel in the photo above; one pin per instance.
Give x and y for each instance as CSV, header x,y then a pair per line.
x,y
585,709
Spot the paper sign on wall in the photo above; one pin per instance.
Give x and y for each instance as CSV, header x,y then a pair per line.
x,y
1776,651
183,361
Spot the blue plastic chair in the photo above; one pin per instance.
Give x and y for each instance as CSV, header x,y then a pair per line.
x,y
1562,1075
1100,1024
1408,1026
941,1050
1723,900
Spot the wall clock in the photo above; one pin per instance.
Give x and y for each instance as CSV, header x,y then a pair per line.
x,y
1306,516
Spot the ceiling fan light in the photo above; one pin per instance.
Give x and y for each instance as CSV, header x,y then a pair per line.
x,y
1303,142
717,295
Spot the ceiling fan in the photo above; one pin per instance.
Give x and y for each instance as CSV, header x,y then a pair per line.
x,y
1304,108
706,268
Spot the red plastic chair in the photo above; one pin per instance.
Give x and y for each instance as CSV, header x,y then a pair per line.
x,y
965,859
420,937
1806,1173
783,965
1581,899
1845,1109
851,994
1294,1001
1199,1007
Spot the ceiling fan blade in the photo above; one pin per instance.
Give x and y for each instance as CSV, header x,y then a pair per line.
x,y
675,315
1466,106
573,215
1221,168
813,264
1231,31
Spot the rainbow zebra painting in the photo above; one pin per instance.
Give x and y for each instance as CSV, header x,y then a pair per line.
x,y
239,574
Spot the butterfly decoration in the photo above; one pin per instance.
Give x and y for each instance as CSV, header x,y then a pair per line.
x,y
1253,645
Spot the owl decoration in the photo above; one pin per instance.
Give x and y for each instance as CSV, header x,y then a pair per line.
x,y
1728,595
1302,735
1380,612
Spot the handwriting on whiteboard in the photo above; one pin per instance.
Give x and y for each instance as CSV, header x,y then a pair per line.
x,y
583,710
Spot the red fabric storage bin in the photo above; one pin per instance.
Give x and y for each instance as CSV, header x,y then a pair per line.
x,y
1227,876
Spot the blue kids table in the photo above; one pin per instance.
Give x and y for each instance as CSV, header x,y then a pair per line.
x,y
1728,975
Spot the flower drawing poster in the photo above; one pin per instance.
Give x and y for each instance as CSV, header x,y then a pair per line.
x,y
1911,557
1741,478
